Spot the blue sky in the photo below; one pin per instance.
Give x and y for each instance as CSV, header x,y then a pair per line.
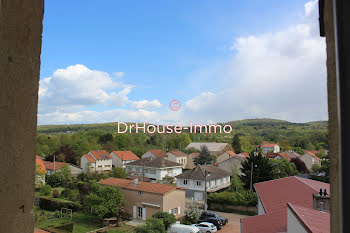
x,y
188,50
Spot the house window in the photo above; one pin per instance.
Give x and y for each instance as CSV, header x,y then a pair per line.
x,y
170,170
152,171
99,166
174,211
185,182
199,183
107,165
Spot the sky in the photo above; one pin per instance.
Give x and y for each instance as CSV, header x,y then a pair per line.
x,y
108,61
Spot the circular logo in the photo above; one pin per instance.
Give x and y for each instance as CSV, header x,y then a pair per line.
x,y
174,105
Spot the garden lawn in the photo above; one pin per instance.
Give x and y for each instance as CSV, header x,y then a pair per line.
x,y
82,222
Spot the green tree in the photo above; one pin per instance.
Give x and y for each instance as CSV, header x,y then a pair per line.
x,y
236,183
104,201
152,225
261,170
236,144
55,179
117,172
283,168
67,174
166,217
103,139
204,156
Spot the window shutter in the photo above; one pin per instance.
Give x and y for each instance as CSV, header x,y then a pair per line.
x,y
169,211
134,211
178,210
144,213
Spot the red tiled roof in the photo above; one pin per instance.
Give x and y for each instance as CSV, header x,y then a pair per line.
x,y
100,154
274,196
245,154
57,166
269,145
271,155
158,153
230,152
313,220
39,157
89,158
310,152
264,142
142,186
37,230
178,153
195,154
46,162
40,162
285,156
126,155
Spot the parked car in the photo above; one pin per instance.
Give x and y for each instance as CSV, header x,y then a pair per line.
x,y
181,228
215,221
207,214
206,227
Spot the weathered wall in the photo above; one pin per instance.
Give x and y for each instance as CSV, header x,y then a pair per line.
x,y
20,48
333,117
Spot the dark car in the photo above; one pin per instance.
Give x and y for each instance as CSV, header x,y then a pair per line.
x,y
207,214
215,221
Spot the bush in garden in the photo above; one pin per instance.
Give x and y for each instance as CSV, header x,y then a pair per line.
x,y
45,190
166,217
192,213
56,193
152,225
67,193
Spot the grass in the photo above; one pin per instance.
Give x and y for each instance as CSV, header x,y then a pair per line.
x,y
83,222
122,229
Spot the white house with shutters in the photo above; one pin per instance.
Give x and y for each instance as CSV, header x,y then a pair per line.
x,y
194,181
96,161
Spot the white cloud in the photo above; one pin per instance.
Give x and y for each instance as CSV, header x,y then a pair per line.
x,y
280,75
65,96
145,104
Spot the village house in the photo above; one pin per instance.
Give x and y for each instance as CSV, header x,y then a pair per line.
x,y
143,199
53,167
310,159
224,156
269,147
282,155
214,148
153,168
120,158
291,204
40,170
178,157
154,153
292,154
190,160
233,164
194,181
96,161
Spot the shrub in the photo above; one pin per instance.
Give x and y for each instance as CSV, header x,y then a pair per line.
x,y
45,190
67,193
54,204
56,193
167,218
152,225
55,179
245,198
192,213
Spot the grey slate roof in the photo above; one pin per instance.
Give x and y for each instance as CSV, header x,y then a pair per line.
x,y
154,162
198,173
212,146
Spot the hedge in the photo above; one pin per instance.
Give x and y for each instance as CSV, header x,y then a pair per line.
x,y
52,205
244,198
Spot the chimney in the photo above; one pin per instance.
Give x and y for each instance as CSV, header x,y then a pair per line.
x,y
321,201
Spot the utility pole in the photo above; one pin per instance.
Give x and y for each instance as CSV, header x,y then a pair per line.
x,y
205,191
251,177
54,163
